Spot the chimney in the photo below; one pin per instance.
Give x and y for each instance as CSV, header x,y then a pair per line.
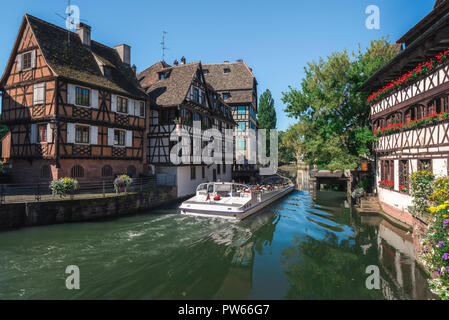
x,y
183,60
83,31
175,63
124,51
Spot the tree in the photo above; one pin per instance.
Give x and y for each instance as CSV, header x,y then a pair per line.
x,y
333,128
267,115
289,144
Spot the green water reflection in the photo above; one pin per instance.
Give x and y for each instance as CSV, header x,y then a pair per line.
x,y
307,246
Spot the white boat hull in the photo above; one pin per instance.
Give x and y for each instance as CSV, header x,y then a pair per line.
x,y
214,211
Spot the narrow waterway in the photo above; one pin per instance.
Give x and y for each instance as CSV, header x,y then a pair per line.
x,y
306,246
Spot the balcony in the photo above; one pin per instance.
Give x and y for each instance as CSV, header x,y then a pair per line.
x,y
424,84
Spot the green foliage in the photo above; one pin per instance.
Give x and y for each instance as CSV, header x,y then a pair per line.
x,y
436,250
267,114
121,183
64,187
286,151
333,115
421,187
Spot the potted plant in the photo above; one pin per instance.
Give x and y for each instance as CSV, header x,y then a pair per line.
x,y
121,183
64,187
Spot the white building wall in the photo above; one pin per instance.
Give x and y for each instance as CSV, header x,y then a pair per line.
x,y
439,167
187,186
395,199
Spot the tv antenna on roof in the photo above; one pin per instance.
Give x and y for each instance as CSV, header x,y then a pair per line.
x,y
163,44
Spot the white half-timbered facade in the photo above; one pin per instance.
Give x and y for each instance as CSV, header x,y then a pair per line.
x,y
412,122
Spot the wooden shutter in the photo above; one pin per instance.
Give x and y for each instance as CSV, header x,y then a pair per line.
x,y
49,134
19,62
110,136
39,93
114,103
94,98
129,139
70,133
33,133
33,59
71,94
94,135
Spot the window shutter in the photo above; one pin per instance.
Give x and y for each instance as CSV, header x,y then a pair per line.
x,y
49,134
33,59
94,135
114,103
129,139
39,93
70,133
131,105
19,62
94,97
71,94
33,138
110,136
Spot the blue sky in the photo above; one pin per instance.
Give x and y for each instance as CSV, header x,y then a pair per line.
x,y
275,38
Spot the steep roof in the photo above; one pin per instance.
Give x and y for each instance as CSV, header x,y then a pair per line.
x,y
239,77
172,90
76,62
440,9
438,26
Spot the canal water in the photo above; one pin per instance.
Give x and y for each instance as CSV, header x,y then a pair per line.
x,y
306,246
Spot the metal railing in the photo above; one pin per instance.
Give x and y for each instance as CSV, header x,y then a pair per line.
x,y
41,191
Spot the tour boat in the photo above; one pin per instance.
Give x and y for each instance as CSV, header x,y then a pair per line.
x,y
235,201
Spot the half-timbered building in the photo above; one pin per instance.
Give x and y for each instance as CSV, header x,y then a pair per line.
x,y
237,85
73,105
180,96
409,109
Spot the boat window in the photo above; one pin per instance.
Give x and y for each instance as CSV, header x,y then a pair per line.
x,y
210,188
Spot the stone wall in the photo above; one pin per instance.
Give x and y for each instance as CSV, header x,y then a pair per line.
x,y
17,215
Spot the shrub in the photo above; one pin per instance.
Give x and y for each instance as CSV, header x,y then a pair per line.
x,y
440,191
64,187
122,182
421,183
436,249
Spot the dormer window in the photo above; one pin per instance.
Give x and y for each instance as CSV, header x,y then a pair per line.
x,y
196,95
107,72
226,95
227,70
161,76
205,71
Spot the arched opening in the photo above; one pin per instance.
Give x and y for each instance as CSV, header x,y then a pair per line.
x,y
77,172
106,171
